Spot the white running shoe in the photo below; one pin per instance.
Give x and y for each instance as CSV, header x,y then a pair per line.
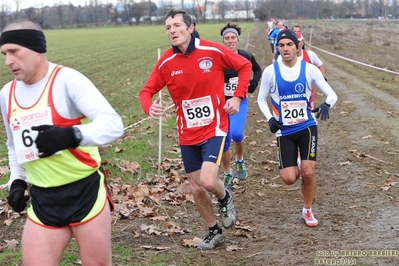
x,y
212,240
228,212
309,218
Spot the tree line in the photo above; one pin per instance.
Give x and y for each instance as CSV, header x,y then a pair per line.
x,y
102,12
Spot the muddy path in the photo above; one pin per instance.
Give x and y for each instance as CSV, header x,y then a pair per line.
x,y
357,182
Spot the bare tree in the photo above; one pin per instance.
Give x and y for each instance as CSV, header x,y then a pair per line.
x,y
140,10
60,11
201,7
30,13
4,10
115,16
109,9
247,7
17,5
94,11
98,11
352,7
395,8
382,8
369,9
40,14
127,10
150,10
223,5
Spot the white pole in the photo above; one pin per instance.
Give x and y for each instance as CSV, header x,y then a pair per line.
x,y
160,128
310,38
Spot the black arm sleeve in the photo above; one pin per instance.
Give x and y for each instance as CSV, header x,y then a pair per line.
x,y
257,70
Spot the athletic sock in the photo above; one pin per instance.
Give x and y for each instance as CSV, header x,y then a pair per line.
x,y
215,227
225,199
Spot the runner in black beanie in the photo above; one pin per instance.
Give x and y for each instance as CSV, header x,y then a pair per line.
x,y
288,34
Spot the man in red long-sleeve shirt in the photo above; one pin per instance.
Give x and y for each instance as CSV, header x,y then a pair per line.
x,y
192,70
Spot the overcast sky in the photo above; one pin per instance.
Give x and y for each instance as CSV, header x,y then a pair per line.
x,y
40,3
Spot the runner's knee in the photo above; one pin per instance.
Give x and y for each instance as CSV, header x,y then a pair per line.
x,y
237,136
289,179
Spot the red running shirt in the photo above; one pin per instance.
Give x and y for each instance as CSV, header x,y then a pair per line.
x,y
195,81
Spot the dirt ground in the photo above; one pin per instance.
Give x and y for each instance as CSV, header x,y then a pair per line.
x,y
358,156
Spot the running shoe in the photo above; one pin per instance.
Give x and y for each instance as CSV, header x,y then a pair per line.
x,y
213,239
241,170
228,212
309,218
228,180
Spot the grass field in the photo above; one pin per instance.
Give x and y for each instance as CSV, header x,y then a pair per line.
x,y
118,61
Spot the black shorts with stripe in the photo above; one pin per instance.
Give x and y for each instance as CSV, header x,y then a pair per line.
x,y
67,204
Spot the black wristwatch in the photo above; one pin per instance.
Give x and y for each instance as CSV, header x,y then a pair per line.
x,y
77,134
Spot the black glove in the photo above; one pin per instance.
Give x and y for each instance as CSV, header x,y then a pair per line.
x,y
252,86
275,125
52,139
17,198
322,111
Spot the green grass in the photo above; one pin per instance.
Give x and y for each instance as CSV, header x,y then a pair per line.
x,y
118,61
10,256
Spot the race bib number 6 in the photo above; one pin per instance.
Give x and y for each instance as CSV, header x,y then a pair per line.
x,y
198,112
24,137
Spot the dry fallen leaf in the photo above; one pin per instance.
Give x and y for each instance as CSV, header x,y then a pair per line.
x,y
268,168
389,182
172,225
233,248
184,188
117,150
136,234
132,167
275,185
191,243
12,243
161,248
245,228
345,163
4,170
159,218
155,248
